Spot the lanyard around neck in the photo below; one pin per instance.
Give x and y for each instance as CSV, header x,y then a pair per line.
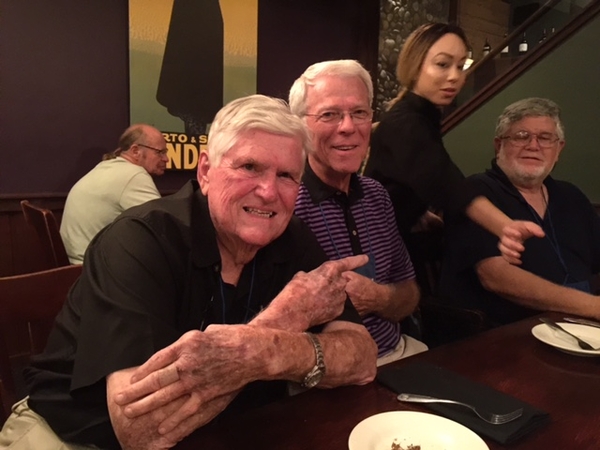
x,y
551,236
337,251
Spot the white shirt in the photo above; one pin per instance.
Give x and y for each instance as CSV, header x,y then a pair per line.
x,y
98,198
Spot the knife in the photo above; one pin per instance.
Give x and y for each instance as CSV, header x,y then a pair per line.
x,y
590,323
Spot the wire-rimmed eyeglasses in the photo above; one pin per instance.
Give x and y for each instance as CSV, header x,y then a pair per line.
x,y
523,138
159,151
358,116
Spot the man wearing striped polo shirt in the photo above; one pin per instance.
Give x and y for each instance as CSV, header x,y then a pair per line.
x,y
351,214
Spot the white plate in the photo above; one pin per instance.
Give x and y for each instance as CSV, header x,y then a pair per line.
x,y
565,343
406,428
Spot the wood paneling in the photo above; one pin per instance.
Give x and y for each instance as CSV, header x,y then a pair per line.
x,y
481,20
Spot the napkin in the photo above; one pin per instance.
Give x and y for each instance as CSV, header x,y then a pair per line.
x,y
428,379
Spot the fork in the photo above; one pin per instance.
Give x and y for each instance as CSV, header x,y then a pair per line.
x,y
494,419
582,344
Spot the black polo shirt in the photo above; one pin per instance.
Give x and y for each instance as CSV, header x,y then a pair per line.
x,y
569,253
148,278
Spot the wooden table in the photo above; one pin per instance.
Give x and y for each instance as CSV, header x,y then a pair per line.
x,y
508,359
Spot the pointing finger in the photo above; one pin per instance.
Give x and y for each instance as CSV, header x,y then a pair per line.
x,y
349,263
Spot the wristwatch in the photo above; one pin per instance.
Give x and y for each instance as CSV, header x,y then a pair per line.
x,y
314,376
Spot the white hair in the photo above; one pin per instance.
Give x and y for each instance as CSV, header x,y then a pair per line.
x,y
341,68
255,112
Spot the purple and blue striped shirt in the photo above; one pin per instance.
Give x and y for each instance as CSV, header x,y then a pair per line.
x,y
368,207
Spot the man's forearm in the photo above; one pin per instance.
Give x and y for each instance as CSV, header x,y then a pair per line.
x,y
484,213
281,315
349,352
393,301
399,300
184,384
532,291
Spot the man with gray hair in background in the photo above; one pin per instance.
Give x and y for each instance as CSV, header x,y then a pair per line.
x,y
554,272
350,214
123,179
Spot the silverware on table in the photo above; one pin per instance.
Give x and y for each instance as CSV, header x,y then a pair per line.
x,y
494,419
589,323
582,344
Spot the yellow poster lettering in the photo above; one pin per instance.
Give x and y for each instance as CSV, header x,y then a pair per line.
x,y
174,154
169,137
190,154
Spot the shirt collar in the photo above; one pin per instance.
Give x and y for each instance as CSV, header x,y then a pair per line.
x,y
205,251
424,106
320,192
497,173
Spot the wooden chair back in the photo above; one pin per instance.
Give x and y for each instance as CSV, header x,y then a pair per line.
x,y
46,228
28,302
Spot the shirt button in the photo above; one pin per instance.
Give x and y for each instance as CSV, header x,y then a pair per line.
x,y
354,232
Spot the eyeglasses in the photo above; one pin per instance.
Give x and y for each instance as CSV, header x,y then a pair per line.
x,y
335,117
523,138
159,151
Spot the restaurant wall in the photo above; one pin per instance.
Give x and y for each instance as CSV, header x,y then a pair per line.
x,y
569,76
64,77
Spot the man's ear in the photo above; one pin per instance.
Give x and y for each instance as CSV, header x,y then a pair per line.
x,y
135,152
497,145
203,168
561,145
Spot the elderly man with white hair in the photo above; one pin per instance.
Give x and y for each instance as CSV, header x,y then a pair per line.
x,y
553,273
189,300
350,214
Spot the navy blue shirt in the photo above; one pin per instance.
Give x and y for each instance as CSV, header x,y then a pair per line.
x,y
569,253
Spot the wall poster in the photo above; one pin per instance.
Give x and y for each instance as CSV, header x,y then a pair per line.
x,y
187,58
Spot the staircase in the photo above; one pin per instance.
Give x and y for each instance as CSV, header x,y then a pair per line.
x,y
545,29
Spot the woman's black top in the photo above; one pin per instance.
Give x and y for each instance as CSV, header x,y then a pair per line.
x,y
408,157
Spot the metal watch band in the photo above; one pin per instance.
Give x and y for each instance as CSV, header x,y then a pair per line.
x,y
314,376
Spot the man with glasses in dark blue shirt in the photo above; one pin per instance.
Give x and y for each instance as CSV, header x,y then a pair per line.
x,y
554,272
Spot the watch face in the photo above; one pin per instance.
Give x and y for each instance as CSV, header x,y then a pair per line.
x,y
313,378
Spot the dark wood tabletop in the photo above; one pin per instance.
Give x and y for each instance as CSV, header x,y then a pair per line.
x,y
508,358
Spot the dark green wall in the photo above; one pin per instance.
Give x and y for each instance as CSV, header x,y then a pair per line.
x,y
570,76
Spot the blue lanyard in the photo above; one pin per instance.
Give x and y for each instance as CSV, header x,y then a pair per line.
x,y
331,235
552,240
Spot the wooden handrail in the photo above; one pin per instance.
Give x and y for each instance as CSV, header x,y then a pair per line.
x,y
524,64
